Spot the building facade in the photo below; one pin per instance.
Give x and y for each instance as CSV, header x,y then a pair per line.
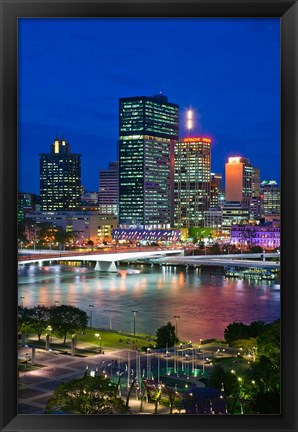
x,y
148,127
239,174
108,196
147,236
265,235
60,178
234,213
213,218
256,183
192,161
270,195
215,189
84,225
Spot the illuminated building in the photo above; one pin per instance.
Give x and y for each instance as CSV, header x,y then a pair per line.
x,y
256,207
213,218
108,195
264,235
239,173
192,158
270,194
215,189
234,213
24,205
85,225
148,127
60,178
255,182
124,235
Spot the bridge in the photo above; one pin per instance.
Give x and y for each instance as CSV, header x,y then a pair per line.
x,y
104,261
107,261
253,260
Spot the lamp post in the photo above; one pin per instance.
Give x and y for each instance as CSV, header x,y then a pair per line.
x,y
176,318
50,330
22,299
91,310
97,335
134,322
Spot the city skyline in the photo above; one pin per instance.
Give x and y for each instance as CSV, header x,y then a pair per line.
x,y
237,106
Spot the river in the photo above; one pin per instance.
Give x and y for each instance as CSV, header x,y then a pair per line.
x,y
205,303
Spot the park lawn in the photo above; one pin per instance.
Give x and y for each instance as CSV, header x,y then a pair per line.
x,y
238,364
88,340
110,339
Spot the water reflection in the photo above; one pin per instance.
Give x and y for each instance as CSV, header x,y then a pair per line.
x,y
205,303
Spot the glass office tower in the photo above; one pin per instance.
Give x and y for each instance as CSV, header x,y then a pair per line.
x,y
148,127
60,178
191,181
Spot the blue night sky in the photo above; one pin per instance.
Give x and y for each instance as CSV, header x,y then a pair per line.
x,y
73,71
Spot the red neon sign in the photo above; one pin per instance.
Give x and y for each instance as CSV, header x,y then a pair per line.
x,y
197,139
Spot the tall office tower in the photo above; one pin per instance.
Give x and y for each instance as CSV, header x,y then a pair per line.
x,y
60,178
239,180
24,205
217,179
108,195
148,127
255,182
270,195
191,181
215,189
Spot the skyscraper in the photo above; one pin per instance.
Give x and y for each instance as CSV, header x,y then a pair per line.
x,y
148,127
60,178
215,190
270,196
255,185
191,181
239,172
108,195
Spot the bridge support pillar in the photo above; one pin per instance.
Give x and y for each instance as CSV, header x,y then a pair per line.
x,y
106,266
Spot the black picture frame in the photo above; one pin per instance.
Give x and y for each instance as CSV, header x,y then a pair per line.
x,y
11,10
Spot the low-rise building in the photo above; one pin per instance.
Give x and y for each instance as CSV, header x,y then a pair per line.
x,y
213,218
265,235
85,225
233,213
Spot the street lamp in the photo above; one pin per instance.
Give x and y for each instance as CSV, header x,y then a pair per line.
x,y
22,298
176,318
91,310
134,322
50,329
97,335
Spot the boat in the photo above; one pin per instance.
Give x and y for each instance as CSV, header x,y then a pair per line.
x,y
268,275
232,273
125,272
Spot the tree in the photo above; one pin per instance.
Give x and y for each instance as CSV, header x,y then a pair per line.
x,y
249,346
166,336
268,343
38,318
62,236
215,249
236,330
23,317
87,395
46,233
66,319
223,380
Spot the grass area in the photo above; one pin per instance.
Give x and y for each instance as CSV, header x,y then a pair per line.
x,y
114,340
89,343
26,367
238,364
